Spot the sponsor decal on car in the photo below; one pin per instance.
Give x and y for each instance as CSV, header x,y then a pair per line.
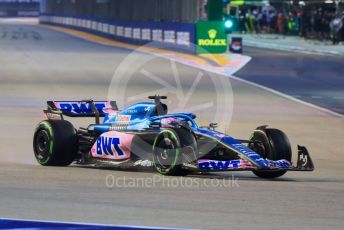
x,y
246,151
279,164
109,146
132,111
113,145
53,116
123,118
224,165
219,135
80,108
143,163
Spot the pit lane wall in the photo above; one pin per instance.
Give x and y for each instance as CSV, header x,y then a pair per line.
x,y
174,35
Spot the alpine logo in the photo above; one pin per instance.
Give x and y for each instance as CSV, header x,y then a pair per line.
x,y
303,159
109,146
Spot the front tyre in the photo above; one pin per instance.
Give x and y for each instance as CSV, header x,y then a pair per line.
x,y
55,143
271,144
171,148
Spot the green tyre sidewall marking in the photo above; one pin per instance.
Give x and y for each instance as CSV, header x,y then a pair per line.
x,y
165,171
45,125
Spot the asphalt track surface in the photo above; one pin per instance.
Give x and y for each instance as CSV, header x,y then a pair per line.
x,y
312,78
58,66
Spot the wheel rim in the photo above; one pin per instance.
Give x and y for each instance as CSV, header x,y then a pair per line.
x,y
259,144
42,145
259,147
165,151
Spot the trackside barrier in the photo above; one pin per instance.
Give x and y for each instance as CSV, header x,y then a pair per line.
x,y
176,36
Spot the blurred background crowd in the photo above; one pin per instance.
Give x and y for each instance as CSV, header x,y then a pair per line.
x,y
311,20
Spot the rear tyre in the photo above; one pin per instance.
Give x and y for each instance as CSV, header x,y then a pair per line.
x,y
171,148
272,144
55,143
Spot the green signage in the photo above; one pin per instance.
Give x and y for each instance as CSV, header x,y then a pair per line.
x,y
211,37
249,2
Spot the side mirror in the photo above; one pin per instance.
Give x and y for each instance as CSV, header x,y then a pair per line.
x,y
213,126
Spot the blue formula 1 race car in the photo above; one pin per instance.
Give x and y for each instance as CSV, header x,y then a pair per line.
x,y
145,135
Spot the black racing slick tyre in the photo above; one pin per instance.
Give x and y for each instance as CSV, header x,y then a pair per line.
x,y
271,144
55,143
172,148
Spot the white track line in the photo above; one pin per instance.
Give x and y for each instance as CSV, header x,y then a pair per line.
x,y
289,97
295,49
230,76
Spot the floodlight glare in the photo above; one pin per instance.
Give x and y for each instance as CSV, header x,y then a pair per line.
x,y
228,24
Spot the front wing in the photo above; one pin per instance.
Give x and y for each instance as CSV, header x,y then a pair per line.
x,y
250,160
304,163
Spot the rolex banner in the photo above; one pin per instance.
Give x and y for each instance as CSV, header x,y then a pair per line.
x,y
211,37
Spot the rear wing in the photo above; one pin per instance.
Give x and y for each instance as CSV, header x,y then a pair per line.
x,y
84,108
